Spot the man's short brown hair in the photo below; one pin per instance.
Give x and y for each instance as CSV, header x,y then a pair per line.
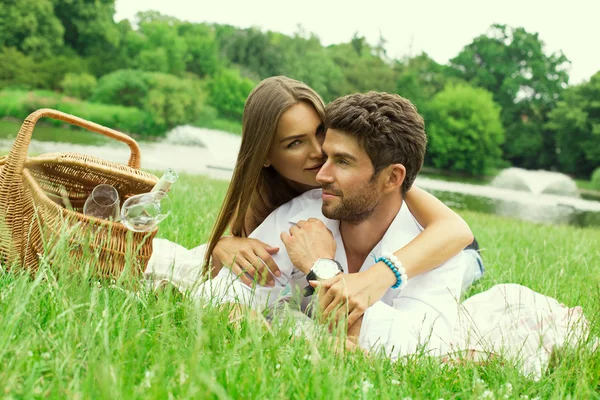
x,y
386,125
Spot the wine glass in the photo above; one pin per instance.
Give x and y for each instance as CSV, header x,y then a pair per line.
x,y
142,212
103,203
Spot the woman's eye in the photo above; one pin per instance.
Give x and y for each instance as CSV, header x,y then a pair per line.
x,y
293,144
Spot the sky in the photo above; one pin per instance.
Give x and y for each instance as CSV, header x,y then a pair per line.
x,y
441,28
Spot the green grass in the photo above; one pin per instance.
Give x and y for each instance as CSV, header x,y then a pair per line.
x,y
67,338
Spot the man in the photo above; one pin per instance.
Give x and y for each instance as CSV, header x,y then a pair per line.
x,y
375,145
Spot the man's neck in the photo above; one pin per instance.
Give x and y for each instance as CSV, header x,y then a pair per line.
x,y
360,239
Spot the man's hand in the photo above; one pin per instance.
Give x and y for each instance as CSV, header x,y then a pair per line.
x,y
349,295
308,241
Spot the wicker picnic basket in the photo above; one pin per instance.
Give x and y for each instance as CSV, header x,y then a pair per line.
x,y
33,203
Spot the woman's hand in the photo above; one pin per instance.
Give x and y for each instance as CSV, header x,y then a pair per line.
x,y
351,294
249,259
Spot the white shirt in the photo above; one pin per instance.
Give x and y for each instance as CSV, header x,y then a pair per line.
x,y
420,316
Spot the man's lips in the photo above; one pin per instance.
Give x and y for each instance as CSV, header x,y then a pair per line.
x,y
328,195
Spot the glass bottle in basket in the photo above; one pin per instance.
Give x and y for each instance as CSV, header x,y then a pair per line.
x,y
142,212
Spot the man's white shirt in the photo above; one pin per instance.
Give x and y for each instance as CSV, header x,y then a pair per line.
x,y
420,317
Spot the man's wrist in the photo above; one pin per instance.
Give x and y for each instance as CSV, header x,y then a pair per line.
x,y
384,274
306,268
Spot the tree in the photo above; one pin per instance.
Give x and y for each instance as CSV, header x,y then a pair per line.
x,y
362,69
227,92
464,130
161,49
31,27
576,124
525,82
305,59
89,25
420,78
202,47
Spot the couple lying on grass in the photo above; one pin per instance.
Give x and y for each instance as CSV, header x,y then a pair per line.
x,y
322,198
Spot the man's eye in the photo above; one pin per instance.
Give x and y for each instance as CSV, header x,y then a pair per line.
x,y
294,144
342,161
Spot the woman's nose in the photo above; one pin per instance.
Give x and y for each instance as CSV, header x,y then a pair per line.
x,y
316,150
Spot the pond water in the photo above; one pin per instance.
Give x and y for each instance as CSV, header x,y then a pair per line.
x,y
209,152
545,208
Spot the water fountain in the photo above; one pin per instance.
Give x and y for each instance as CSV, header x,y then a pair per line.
x,y
537,182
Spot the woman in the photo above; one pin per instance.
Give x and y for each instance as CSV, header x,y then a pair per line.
x,y
279,157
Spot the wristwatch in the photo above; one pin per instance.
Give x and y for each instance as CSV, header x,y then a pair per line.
x,y
323,268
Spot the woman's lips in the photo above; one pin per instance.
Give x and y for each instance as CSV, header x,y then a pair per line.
x,y
315,168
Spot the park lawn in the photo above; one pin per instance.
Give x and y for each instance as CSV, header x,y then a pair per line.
x,y
63,337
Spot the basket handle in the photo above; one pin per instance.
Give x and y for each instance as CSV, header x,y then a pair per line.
x,y
18,153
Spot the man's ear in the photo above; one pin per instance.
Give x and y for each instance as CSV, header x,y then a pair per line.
x,y
395,175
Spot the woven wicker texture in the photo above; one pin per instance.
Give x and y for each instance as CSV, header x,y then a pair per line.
x,y
35,191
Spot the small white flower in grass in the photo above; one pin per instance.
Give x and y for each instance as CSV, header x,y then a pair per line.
x,y
488,394
366,386
306,357
407,398
30,353
395,382
524,397
278,366
508,387
147,382
45,356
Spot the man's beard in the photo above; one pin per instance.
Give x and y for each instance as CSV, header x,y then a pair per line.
x,y
356,209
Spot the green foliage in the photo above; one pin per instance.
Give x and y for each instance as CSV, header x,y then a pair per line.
x,y
18,70
31,27
89,27
465,132
420,78
124,87
576,124
305,59
19,104
157,47
204,59
209,118
227,92
78,85
361,70
595,179
170,100
525,81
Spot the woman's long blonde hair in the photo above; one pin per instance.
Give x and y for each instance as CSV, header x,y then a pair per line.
x,y
253,186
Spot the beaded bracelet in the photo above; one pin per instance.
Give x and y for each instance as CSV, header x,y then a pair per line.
x,y
396,266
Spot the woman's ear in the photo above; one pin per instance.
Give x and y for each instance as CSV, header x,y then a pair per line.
x,y
395,175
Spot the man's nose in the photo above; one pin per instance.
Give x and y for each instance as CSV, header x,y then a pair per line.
x,y
324,175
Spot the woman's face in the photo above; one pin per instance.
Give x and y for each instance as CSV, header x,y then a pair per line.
x,y
296,153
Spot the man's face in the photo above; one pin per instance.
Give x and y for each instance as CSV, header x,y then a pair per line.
x,y
350,192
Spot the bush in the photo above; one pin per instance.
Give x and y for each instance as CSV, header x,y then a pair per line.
x,y
596,179
227,92
19,104
170,100
19,71
78,85
126,87
464,130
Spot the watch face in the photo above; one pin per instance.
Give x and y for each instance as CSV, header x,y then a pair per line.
x,y
325,269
